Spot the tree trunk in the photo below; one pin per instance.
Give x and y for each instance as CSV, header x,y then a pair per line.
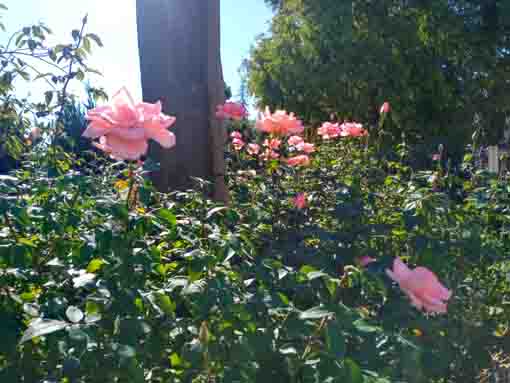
x,y
179,44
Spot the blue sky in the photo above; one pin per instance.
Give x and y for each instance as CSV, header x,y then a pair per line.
x,y
115,22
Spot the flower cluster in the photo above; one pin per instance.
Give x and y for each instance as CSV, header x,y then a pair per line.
x,y
279,126
330,130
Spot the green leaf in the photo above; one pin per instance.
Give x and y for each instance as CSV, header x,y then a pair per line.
x,y
167,216
166,304
175,360
41,327
215,210
95,265
86,44
315,313
352,372
96,38
335,340
363,326
27,242
80,76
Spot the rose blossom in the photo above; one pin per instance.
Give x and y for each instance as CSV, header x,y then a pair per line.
x,y
124,127
421,285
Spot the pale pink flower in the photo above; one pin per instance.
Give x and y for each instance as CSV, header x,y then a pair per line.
x,y
299,201
232,110
365,260
253,149
124,127
306,147
269,154
273,143
279,123
301,160
236,134
421,285
295,140
385,108
352,129
329,130
238,144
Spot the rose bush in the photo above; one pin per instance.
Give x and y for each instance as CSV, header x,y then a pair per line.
x,y
331,264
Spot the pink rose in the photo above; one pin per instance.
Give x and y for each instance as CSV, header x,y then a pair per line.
x,y
329,130
124,127
295,140
421,286
301,160
299,201
269,154
236,134
306,147
232,110
253,149
385,108
272,143
279,123
237,143
352,129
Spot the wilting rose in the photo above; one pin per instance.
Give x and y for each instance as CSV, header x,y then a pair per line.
x,y
124,127
421,285
232,110
279,123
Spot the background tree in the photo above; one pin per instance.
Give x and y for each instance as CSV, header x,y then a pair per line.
x,y
441,64
179,45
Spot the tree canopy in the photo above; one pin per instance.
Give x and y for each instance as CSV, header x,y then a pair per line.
x,y
443,65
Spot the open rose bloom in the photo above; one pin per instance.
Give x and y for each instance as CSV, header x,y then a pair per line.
x,y
279,123
352,129
329,130
125,127
421,286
